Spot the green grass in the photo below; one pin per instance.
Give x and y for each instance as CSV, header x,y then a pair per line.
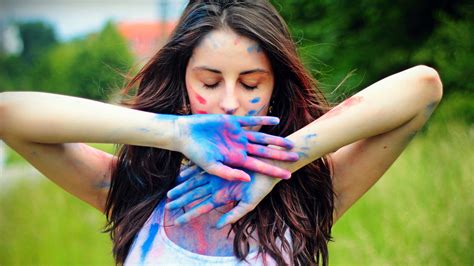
x,y
419,213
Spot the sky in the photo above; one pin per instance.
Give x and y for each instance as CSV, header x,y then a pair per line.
x,y
74,18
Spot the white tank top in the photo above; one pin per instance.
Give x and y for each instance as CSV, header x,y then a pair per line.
x,y
152,247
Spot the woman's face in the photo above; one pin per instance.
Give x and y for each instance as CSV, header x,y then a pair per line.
x,y
229,74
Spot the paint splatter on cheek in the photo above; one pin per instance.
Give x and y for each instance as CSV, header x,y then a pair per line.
x,y
200,99
256,112
201,112
255,100
251,112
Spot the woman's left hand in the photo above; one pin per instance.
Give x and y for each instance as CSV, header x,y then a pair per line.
x,y
196,184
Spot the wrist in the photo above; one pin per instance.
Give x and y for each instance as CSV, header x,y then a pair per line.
x,y
167,132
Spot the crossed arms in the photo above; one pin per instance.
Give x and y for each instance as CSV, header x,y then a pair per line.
x,y
363,136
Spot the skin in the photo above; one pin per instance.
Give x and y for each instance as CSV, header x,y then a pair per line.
x,y
238,80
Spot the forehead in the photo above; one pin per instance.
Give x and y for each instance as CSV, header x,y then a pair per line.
x,y
225,50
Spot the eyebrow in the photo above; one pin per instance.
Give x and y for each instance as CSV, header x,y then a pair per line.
x,y
252,71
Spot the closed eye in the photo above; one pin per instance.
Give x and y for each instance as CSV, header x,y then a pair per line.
x,y
247,87
211,86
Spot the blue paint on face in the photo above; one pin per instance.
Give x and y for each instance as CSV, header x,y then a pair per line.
x,y
254,48
251,112
309,136
255,100
149,241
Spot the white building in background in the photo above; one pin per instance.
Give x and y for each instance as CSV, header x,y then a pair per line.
x,y
72,18
10,40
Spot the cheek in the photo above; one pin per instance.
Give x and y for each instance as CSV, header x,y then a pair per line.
x,y
257,105
199,103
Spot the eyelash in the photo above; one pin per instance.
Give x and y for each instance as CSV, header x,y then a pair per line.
x,y
213,86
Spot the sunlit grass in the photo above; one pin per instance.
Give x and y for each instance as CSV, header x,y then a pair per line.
x,y
420,212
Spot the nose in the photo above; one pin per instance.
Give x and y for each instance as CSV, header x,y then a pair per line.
x,y
229,102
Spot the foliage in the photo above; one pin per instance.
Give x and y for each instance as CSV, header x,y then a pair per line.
x,y
360,42
89,68
37,38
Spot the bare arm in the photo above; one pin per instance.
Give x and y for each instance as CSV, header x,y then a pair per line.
x,y
369,131
45,128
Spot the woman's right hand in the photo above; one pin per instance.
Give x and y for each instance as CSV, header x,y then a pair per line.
x,y
218,142
194,184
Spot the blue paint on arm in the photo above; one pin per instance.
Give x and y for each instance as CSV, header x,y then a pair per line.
x,y
165,117
149,241
309,136
144,130
303,154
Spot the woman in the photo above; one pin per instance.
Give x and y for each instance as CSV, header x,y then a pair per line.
x,y
235,58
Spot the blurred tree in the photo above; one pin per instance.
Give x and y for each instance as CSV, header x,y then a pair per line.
x,y
365,40
91,67
37,38
96,68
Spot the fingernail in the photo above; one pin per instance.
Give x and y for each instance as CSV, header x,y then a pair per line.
x,y
295,156
244,179
290,145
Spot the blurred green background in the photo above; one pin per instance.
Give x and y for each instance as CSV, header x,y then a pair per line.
x,y
419,213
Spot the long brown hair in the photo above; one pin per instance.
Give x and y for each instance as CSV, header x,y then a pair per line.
x,y
143,175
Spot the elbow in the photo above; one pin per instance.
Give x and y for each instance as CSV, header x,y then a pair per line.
x,y
431,83
5,102
3,111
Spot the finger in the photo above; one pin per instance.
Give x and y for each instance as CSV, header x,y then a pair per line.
x,y
186,166
189,185
270,153
234,215
265,168
257,120
228,173
262,138
198,210
188,173
186,199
